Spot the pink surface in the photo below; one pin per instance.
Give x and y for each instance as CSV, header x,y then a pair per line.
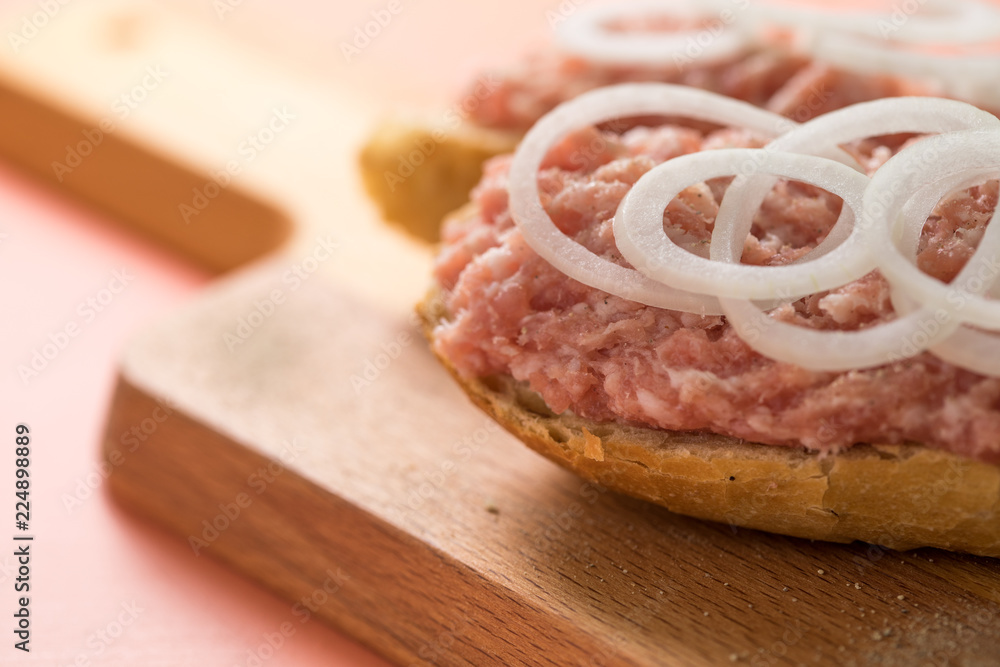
x,y
95,568
92,564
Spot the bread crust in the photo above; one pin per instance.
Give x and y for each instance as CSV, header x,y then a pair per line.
x,y
418,171
898,496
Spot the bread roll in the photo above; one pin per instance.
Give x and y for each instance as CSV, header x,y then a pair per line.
x,y
897,496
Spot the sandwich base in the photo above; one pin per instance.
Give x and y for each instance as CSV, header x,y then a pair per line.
x,y
896,496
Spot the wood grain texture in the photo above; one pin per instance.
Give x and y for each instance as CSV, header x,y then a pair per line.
x,y
455,544
289,421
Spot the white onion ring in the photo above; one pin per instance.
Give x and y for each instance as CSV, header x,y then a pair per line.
x,y
967,348
958,21
914,331
856,41
640,237
891,208
843,350
826,350
858,121
905,175
598,106
972,350
976,83
585,34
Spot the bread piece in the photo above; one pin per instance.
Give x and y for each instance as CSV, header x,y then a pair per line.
x,y
898,496
418,171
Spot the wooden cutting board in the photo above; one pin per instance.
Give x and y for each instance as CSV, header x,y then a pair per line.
x,y
291,423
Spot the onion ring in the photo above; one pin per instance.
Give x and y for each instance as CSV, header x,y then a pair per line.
x,y
858,121
920,169
879,226
585,34
595,107
639,231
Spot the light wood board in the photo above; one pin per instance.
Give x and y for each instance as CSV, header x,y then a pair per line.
x,y
319,449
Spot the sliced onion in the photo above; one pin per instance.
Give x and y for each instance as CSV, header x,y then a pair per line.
x,y
973,350
857,41
924,172
639,231
598,106
820,136
967,348
937,21
890,209
916,330
825,350
585,33
970,77
978,80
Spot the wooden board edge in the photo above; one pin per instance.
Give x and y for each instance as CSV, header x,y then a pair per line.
x,y
137,182
228,505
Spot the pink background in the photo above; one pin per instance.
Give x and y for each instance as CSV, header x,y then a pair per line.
x,y
92,558
92,562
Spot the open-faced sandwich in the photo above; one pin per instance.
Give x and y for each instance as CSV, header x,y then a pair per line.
x,y
694,299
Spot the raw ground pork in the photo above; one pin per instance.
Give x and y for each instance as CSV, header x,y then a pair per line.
x,y
609,359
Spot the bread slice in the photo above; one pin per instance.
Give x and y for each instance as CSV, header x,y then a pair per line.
x,y
417,171
897,496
